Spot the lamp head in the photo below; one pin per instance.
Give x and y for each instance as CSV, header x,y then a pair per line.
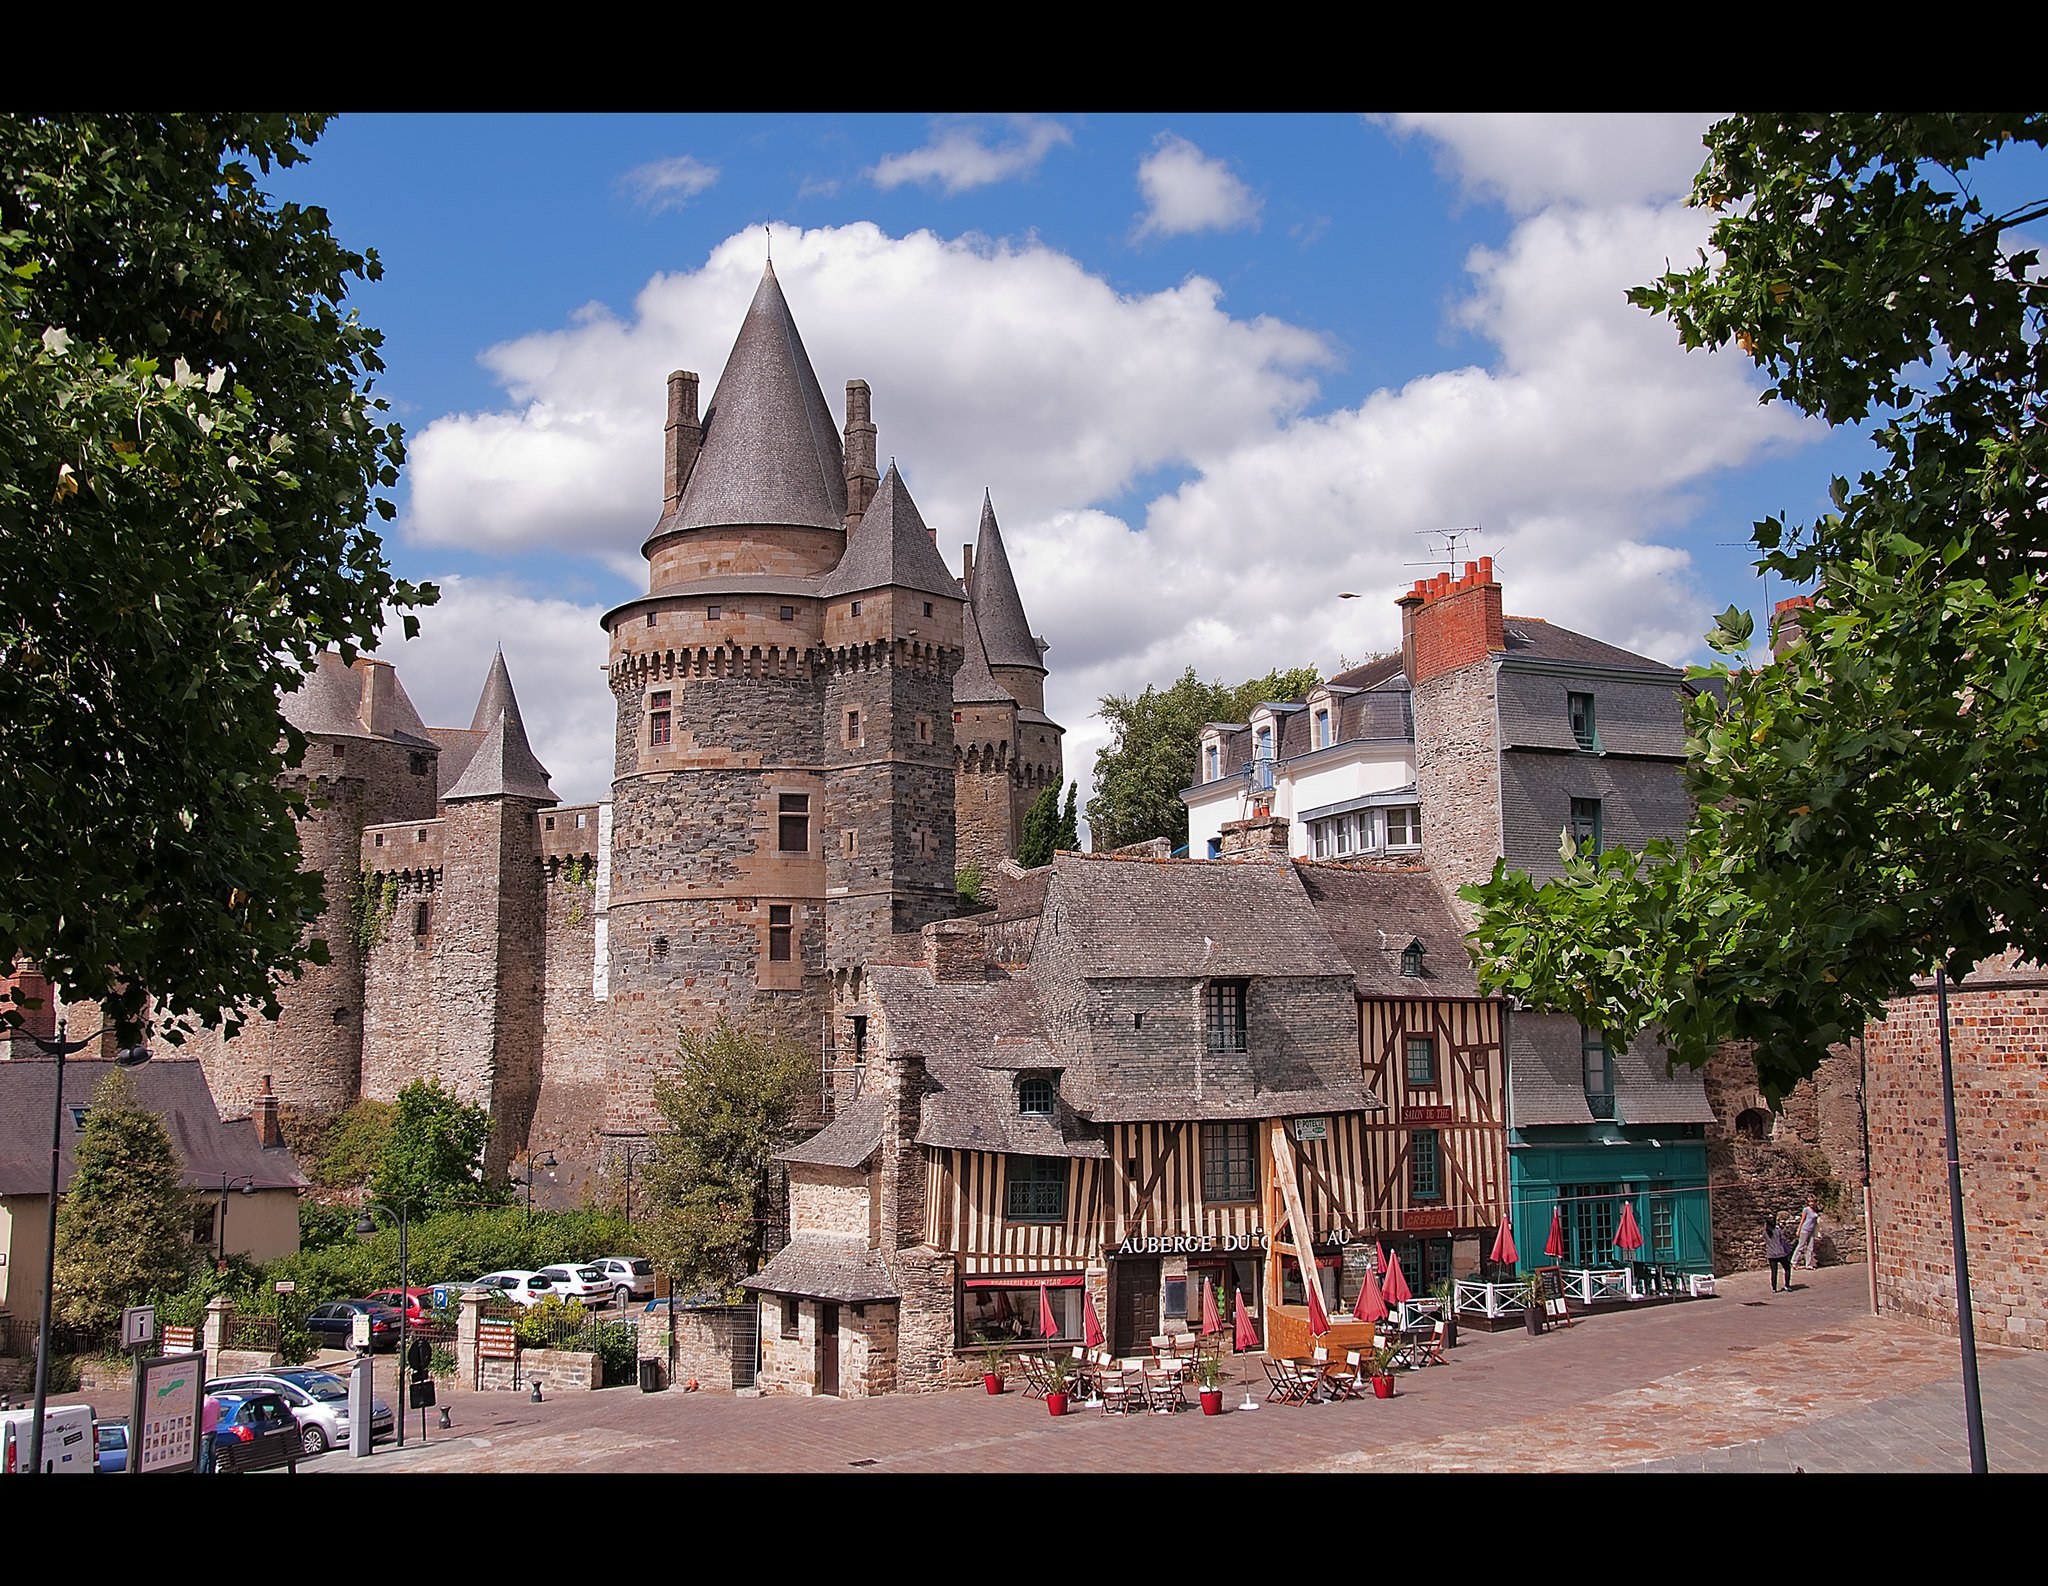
x,y
131,1056
365,1225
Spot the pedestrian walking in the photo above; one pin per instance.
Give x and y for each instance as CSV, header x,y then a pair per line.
x,y
1809,1230
209,1420
1777,1251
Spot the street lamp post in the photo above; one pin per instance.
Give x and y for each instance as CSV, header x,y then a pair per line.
x,y
534,1159
632,1147
365,1226
247,1185
126,1057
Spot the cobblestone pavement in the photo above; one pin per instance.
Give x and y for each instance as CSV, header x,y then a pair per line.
x,y
1749,1381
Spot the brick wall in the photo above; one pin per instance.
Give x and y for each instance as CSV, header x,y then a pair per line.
x,y
1998,1025
1457,623
1814,1146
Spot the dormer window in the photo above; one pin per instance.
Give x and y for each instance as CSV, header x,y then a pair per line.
x,y
1212,761
1325,733
1034,1096
1224,1018
1584,730
1411,960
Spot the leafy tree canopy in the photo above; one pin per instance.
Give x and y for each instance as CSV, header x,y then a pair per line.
x,y
430,1159
1049,829
189,454
124,1228
728,1109
1158,737
1874,802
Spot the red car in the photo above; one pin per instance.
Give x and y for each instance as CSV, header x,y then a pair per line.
x,y
418,1304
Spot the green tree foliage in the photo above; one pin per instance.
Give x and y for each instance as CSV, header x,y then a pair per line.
x,y
1874,802
1158,737
431,1157
189,452
728,1109
124,1228
1040,834
967,884
341,1151
1066,837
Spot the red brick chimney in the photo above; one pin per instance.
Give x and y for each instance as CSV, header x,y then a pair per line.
x,y
1447,623
268,1135
1788,625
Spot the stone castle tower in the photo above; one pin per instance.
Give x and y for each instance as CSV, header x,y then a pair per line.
x,y
818,724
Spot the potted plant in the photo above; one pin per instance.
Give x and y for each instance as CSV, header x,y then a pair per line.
x,y
1056,1384
1209,1383
1447,1291
991,1364
1532,1308
1379,1366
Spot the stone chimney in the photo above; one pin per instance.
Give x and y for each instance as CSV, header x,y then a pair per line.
x,y
379,682
899,1190
1447,623
967,565
268,1135
1788,624
861,477
954,952
1261,837
684,438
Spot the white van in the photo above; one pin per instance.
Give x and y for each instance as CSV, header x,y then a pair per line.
x,y
69,1448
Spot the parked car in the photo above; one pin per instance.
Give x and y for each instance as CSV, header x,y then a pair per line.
x,y
318,1401
250,1415
110,1445
584,1283
417,1303
630,1277
521,1288
334,1323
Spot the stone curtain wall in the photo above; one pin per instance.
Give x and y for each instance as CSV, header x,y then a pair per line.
x,y
1998,1031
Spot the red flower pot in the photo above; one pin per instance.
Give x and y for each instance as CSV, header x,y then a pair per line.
x,y
1383,1387
1212,1401
993,1381
1056,1403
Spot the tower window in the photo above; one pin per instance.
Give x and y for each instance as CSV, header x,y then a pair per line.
x,y
711,612
851,840
793,823
924,729
927,608
661,947
779,929
419,765
856,608
422,917
853,738
789,613
658,718
650,619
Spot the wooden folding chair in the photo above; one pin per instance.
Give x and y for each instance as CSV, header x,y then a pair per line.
x,y
1282,1387
1113,1387
1341,1381
1430,1351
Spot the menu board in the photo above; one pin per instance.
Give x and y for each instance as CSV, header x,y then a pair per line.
x,y
163,1428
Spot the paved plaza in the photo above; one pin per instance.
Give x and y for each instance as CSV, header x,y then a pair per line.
x,y
1749,1381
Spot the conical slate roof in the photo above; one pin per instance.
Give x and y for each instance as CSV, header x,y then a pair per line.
x,y
503,765
1005,631
891,547
771,451
974,683
329,701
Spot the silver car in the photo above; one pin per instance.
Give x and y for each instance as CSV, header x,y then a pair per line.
x,y
318,1401
631,1278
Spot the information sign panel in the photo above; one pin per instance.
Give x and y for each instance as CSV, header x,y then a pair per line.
x,y
164,1417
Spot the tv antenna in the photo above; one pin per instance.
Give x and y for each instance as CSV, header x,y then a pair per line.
x,y
1451,558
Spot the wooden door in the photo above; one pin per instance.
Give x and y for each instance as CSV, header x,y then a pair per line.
x,y
828,1350
1136,1306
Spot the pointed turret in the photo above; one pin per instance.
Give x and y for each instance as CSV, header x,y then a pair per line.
x,y
890,547
503,764
771,453
998,609
974,683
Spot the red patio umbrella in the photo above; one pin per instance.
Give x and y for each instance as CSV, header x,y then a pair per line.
x,y
1047,1326
1554,1245
1211,1322
1628,1236
1371,1305
1379,1259
1504,1243
1091,1324
1246,1336
1318,1312
1397,1288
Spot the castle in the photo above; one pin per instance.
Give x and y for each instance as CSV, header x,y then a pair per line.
x,y
818,726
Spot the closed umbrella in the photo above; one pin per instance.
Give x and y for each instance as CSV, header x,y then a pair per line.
x,y
1246,1336
1371,1305
1628,1236
1091,1324
1379,1259
1504,1243
1047,1326
1397,1289
1318,1313
1212,1324
1553,1247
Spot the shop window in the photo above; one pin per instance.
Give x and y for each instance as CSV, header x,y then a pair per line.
x,y
793,823
1421,1060
1229,1163
1594,1214
1036,1188
780,929
1425,1166
1598,1067
1224,1015
1663,1228
1586,826
1035,1096
1583,729
1001,1309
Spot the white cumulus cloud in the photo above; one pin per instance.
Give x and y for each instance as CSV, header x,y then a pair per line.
x,y
1528,159
961,156
668,184
1186,190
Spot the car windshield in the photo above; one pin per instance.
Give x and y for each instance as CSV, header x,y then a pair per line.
x,y
322,1386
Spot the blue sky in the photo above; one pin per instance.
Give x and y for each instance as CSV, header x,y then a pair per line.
x,y
1212,369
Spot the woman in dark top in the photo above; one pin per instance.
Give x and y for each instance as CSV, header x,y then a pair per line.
x,y
1777,1251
